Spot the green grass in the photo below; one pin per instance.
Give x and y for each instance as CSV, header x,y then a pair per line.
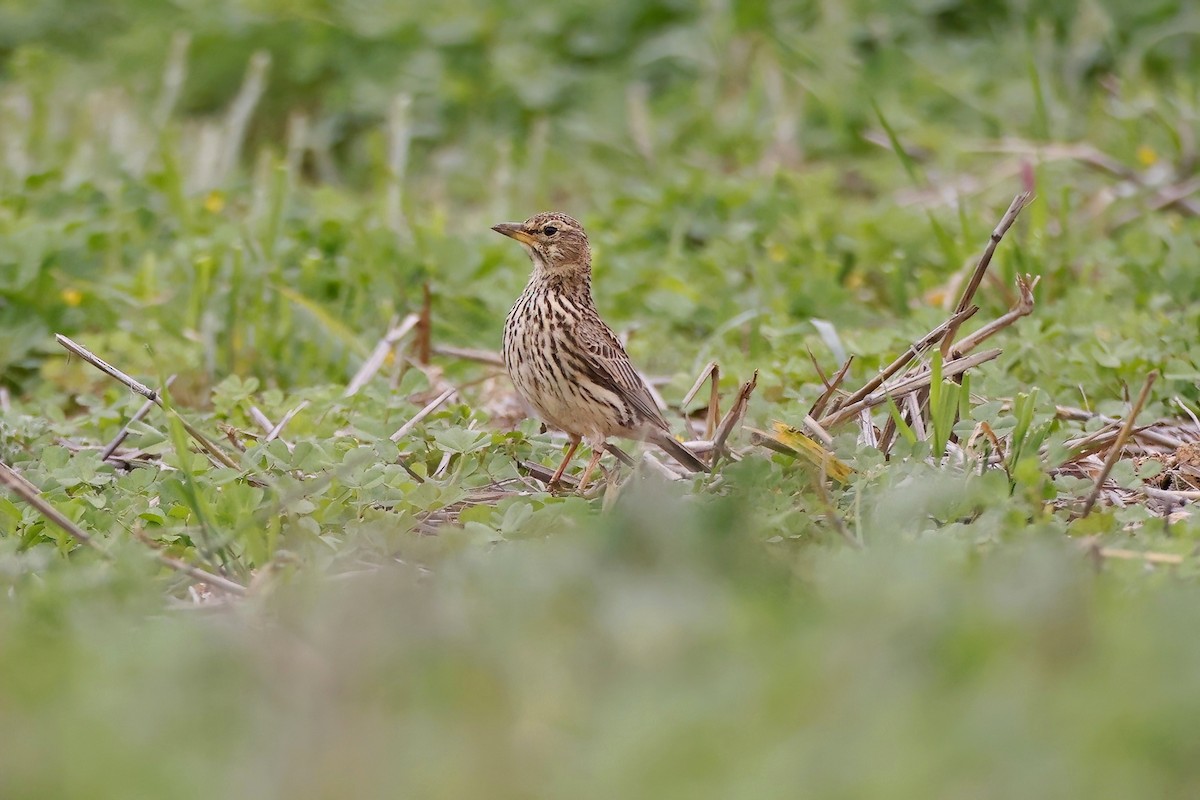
x,y
742,169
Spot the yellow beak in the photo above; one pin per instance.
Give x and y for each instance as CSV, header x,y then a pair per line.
x,y
514,230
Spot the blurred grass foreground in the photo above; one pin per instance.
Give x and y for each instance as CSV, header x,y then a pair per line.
x,y
242,197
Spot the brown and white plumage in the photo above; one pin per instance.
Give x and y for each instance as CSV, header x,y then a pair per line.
x,y
567,364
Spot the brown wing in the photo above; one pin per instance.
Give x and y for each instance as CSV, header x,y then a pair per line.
x,y
611,368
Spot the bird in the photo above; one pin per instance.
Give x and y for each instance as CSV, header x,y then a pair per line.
x,y
564,361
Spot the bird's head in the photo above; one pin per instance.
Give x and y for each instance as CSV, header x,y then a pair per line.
x,y
554,241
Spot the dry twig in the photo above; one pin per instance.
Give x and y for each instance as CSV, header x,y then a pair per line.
x,y
736,412
544,474
425,326
1115,451
909,384
219,456
1022,308
25,490
1171,495
407,427
968,294
378,356
271,429
915,350
818,431
831,387
138,416
274,432
711,373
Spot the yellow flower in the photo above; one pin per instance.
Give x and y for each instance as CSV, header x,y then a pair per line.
x,y
937,297
214,202
1146,155
72,297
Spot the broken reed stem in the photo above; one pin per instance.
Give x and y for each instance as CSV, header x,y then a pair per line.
x,y
768,441
425,326
25,490
1010,216
954,356
1173,495
700,379
378,356
911,384
83,353
912,415
262,420
544,474
1084,446
659,468
138,416
712,373
712,419
915,350
886,435
1022,308
964,301
274,432
1101,440
108,369
822,402
817,366
1147,433
866,430
818,431
1115,451
407,427
199,574
619,454
736,412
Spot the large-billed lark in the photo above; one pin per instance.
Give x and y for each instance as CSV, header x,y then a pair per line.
x,y
565,361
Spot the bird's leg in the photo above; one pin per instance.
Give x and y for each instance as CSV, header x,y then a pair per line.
x,y
553,484
597,452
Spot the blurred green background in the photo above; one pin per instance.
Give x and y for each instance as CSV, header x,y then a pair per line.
x,y
244,193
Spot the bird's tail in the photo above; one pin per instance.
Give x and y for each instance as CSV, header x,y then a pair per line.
x,y
677,451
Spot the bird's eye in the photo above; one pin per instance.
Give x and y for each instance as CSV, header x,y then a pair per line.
x,y
549,230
